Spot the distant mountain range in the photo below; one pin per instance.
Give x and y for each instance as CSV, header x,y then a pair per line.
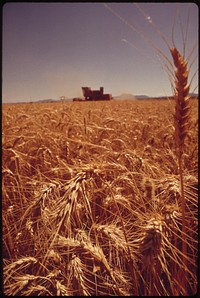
x,y
52,100
47,100
123,96
120,97
142,97
130,96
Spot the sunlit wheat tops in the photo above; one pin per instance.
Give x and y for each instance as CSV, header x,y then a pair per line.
x,y
182,99
103,219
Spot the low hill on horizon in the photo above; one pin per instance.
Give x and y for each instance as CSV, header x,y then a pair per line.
x,y
130,96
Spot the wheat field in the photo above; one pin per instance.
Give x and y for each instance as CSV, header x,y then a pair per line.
x,y
91,199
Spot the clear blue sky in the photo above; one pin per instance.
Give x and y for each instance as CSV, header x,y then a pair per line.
x,y
53,49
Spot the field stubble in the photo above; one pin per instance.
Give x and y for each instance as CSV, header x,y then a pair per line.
x,y
92,200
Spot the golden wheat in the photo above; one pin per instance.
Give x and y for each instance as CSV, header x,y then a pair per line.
x,y
182,100
86,215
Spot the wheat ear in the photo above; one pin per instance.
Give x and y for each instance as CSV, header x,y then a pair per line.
x,y
182,100
182,125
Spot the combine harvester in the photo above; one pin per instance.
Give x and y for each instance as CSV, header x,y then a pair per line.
x,y
91,95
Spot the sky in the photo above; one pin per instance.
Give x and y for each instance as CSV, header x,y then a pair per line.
x,y
53,49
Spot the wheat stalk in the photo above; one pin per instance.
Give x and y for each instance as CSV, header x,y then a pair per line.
x,y
182,125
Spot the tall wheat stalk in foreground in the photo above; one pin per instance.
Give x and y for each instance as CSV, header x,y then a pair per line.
x,y
181,125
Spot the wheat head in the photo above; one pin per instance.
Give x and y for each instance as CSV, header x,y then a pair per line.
x,y
182,99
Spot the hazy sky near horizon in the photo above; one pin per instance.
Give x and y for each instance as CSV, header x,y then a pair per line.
x,y
53,49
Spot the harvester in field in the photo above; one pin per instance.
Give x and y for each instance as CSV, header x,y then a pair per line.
x,y
91,95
